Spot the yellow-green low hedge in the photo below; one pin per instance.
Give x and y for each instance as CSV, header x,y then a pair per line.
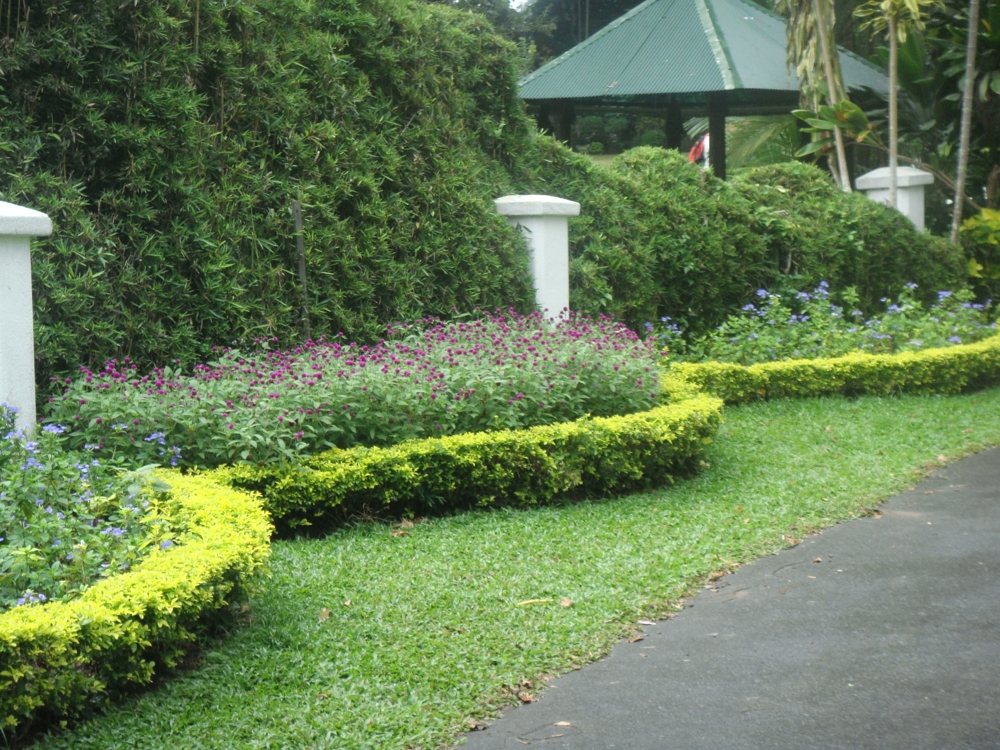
x,y
520,468
62,659
946,370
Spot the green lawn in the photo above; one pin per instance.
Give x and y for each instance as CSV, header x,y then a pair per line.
x,y
425,630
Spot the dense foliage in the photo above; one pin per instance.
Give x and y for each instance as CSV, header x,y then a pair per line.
x,y
813,325
520,468
658,237
500,371
168,140
69,519
62,660
951,369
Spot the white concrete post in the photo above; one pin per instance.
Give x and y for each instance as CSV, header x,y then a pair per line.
x,y
17,344
544,221
909,190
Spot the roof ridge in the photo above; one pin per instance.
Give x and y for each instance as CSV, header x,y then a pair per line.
x,y
715,43
588,41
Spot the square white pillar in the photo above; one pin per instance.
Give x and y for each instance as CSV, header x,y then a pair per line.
x,y
17,344
910,184
544,221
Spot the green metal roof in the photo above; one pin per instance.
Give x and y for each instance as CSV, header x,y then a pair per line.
x,y
680,47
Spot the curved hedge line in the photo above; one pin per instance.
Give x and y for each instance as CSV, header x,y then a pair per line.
x,y
484,469
945,370
61,660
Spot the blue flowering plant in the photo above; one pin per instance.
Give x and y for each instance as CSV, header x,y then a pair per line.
x,y
810,325
69,519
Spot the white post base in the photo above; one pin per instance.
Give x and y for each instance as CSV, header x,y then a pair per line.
x,y
910,184
17,345
544,221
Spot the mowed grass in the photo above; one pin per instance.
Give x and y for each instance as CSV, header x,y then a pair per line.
x,y
426,630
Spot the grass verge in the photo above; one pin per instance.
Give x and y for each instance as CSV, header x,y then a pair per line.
x,y
368,640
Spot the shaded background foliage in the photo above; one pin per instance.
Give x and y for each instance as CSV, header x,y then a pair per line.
x,y
168,138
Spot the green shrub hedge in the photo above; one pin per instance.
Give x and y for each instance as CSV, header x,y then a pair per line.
x,y
62,660
475,470
168,149
658,236
948,370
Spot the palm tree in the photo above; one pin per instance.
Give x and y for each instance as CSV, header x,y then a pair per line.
x,y
810,50
895,18
963,141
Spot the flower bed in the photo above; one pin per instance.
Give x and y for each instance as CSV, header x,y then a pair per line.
x,y
947,370
63,659
70,519
501,371
520,468
809,325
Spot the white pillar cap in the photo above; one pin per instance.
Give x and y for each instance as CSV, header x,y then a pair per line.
x,y
878,179
536,205
23,222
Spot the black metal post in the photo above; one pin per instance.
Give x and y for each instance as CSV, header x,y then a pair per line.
x,y
717,132
674,125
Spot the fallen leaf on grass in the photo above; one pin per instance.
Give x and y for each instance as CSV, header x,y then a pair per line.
x,y
526,697
942,458
406,524
400,533
532,601
566,602
322,696
966,432
347,603
474,725
324,614
637,639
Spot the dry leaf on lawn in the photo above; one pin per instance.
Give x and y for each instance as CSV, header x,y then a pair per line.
x,y
324,614
400,533
566,602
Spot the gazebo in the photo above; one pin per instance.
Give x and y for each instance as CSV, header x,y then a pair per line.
x,y
677,59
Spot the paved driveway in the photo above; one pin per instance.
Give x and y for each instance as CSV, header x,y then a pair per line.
x,y
878,633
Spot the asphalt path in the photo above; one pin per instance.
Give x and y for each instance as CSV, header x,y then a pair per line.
x,y
881,632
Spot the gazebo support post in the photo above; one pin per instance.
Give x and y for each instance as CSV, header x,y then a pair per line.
x,y
717,132
673,125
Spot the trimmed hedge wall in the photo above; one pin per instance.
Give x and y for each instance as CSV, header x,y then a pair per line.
x,y
62,660
946,370
519,468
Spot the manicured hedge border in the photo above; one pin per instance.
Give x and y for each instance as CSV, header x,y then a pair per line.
x,y
517,468
946,370
62,659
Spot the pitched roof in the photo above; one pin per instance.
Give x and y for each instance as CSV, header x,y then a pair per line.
x,y
684,46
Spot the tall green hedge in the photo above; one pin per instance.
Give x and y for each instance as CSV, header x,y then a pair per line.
x,y
168,139
659,236
169,166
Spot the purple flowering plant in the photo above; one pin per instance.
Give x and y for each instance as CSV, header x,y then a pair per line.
x,y
430,378
809,325
68,519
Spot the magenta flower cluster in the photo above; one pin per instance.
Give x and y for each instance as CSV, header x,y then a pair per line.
x,y
430,378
